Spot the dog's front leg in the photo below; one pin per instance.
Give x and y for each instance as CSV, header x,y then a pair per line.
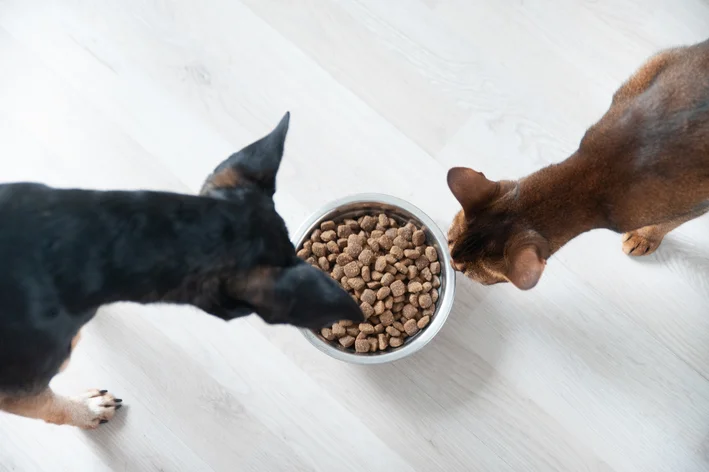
x,y
86,411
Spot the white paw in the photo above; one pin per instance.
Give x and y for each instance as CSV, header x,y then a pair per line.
x,y
93,408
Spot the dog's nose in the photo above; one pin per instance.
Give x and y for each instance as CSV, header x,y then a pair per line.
x,y
459,266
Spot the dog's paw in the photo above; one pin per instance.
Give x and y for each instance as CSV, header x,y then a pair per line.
x,y
93,408
640,243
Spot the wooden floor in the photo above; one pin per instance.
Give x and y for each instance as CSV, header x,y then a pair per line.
x,y
603,367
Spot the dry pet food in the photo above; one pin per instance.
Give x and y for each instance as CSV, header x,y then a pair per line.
x,y
388,268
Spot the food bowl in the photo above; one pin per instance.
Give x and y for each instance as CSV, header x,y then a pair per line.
x,y
372,203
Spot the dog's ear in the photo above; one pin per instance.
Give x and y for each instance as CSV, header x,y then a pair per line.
x,y
257,163
472,189
526,260
298,295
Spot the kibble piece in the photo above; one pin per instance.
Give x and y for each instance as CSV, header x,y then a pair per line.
x,y
436,282
315,237
422,262
414,300
361,345
414,287
362,335
332,258
426,274
409,311
392,233
393,331
435,268
385,242
406,233
391,270
401,268
401,242
356,283
344,281
411,328
346,323
347,341
378,328
412,253
423,322
413,271
344,259
368,223
352,331
342,243
429,311
369,296
383,293
343,231
387,318
373,244
380,264
398,288
387,279
319,249
354,250
338,330
396,342
366,328
327,236
303,253
399,299
332,247
383,342
431,254
383,220
427,287
323,263
398,306
366,274
354,226
418,237
389,302
397,252
362,238
434,295
366,256
373,344
328,225
391,259
374,285
377,276
379,307
328,334
352,269
425,301
367,309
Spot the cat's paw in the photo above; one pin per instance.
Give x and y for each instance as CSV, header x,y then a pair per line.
x,y
640,242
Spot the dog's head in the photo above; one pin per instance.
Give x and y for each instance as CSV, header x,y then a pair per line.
x,y
285,290
489,239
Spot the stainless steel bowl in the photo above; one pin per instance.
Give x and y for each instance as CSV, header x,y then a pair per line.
x,y
353,207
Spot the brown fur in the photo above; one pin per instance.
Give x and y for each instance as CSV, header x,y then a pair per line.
x,y
643,169
226,178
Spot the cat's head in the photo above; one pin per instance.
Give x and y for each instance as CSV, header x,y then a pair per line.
x,y
490,239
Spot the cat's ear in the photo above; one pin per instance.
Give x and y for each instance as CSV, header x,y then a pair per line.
x,y
526,262
257,163
472,189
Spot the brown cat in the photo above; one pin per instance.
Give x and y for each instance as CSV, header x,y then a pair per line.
x,y
643,170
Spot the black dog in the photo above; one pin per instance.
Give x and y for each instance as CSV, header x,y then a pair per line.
x,y
65,253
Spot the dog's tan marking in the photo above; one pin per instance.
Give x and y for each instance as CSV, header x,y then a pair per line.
x,y
227,178
85,411
74,342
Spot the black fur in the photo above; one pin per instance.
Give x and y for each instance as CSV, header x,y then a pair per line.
x,y
65,253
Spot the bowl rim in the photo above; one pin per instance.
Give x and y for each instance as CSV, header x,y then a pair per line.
x,y
446,299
